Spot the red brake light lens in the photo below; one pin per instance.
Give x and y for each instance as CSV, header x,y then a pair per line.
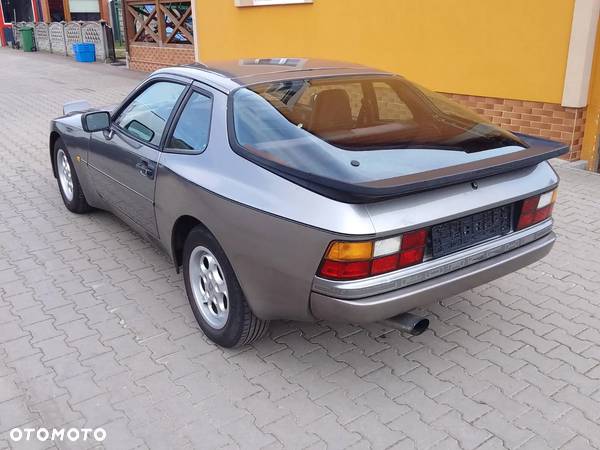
x,y
528,210
345,270
411,257
384,264
417,238
543,213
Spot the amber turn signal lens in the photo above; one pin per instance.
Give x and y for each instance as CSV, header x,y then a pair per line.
x,y
350,251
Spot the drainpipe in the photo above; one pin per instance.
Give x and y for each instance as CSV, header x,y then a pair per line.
x,y
126,30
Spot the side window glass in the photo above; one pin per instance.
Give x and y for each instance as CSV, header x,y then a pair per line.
x,y
146,116
193,126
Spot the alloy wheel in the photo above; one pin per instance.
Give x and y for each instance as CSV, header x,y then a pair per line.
x,y
64,174
209,287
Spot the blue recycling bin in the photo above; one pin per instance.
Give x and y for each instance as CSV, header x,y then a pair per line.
x,y
84,52
8,36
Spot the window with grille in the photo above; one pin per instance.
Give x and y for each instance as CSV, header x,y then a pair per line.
x,y
161,22
269,2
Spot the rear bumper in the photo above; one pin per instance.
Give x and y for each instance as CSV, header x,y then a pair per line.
x,y
389,304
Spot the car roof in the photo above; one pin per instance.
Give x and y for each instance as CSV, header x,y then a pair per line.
x,y
229,75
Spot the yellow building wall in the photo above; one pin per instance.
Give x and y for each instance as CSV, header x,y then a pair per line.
x,y
498,48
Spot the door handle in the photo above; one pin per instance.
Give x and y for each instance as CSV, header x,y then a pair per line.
x,y
144,169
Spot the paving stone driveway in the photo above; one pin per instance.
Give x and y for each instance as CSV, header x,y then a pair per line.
x,y
95,329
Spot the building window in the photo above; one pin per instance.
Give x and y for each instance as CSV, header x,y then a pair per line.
x,y
84,9
17,11
269,2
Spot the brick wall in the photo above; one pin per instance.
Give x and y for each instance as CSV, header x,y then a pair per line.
x,y
547,120
148,58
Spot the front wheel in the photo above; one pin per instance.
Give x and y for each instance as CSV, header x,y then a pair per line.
x,y
68,183
215,295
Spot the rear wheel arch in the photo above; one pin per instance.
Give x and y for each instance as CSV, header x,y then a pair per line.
x,y
239,325
181,229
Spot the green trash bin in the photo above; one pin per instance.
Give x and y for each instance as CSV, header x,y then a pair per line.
x,y
27,39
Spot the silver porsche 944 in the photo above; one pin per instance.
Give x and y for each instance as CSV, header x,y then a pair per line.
x,y
306,190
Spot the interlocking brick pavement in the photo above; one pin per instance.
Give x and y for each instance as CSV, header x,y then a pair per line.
x,y
96,331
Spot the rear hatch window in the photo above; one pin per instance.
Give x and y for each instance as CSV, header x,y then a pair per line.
x,y
356,138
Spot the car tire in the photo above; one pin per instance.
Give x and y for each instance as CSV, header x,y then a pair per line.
x,y
215,295
68,183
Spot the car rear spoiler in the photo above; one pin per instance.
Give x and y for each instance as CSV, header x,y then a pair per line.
x,y
538,150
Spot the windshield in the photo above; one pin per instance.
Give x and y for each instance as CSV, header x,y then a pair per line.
x,y
361,130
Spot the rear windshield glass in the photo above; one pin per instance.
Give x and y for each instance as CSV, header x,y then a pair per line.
x,y
360,130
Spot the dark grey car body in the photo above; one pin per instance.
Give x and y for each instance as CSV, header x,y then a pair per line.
x,y
275,232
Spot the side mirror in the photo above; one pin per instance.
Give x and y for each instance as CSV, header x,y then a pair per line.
x,y
95,121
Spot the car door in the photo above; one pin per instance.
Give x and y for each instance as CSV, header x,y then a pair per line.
x,y
124,159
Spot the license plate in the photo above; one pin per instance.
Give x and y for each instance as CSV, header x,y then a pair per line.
x,y
458,234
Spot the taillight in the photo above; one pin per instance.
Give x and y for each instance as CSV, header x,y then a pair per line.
x,y
352,260
536,209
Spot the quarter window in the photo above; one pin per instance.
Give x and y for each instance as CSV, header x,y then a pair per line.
x,y
146,116
193,126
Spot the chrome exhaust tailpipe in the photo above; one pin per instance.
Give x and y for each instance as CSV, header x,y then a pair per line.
x,y
408,323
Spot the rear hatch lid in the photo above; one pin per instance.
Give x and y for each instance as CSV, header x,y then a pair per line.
x,y
368,138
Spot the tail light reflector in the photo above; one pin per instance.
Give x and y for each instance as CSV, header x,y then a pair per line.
x,y
345,270
354,260
384,264
536,209
414,239
411,257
